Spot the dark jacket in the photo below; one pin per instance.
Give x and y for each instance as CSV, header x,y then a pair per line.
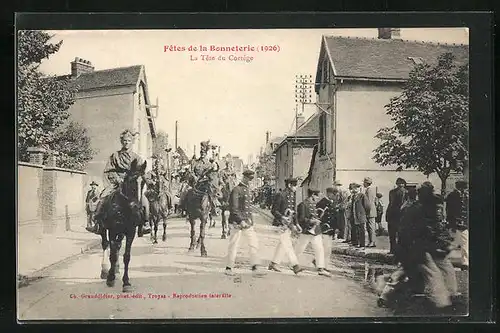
x,y
457,203
330,216
306,212
239,204
91,200
358,209
283,200
422,230
397,197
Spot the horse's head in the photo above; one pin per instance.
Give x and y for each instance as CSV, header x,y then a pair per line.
x,y
134,182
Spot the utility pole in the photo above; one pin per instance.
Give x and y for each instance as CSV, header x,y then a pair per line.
x,y
303,93
176,133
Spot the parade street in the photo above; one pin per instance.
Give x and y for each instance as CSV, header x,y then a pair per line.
x,y
172,283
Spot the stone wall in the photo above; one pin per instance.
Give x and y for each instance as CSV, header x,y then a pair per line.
x,y
50,199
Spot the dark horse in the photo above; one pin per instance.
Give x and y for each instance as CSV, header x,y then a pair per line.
x,y
159,209
123,212
197,204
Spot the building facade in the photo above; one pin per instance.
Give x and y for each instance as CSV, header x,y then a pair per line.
x,y
356,78
108,102
293,154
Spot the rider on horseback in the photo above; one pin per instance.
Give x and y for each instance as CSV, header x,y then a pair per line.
x,y
118,165
200,168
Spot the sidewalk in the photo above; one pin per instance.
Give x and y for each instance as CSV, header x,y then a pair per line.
x,y
36,253
379,253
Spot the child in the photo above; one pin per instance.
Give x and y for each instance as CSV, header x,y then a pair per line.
x,y
380,211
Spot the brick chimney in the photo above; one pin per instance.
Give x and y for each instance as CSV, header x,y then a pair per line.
x,y
80,66
300,121
267,137
389,33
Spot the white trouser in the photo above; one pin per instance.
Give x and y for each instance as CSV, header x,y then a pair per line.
x,y
234,239
327,245
464,246
317,244
285,246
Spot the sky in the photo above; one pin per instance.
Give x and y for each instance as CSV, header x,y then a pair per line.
x,y
230,103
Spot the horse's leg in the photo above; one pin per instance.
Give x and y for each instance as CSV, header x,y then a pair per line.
x,y
113,257
203,222
105,254
192,222
130,234
164,236
224,226
156,221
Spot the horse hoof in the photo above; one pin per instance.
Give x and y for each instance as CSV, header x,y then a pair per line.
x,y
223,237
104,275
155,242
191,249
204,254
164,238
110,283
127,288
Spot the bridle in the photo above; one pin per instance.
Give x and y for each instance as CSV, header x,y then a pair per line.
x,y
140,187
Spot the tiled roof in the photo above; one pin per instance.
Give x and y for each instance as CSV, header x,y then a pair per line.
x,y
385,59
122,76
310,127
114,77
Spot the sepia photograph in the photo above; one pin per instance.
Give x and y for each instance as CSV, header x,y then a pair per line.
x,y
247,173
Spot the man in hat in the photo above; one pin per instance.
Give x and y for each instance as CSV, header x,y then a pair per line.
x,y
328,209
201,167
359,208
90,205
241,222
283,210
118,165
371,196
397,197
310,224
457,215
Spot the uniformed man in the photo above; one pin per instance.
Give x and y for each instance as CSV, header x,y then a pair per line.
x,y
283,211
90,205
329,208
200,168
310,224
241,222
118,165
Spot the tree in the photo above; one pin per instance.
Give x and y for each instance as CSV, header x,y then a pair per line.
x,y
430,131
266,168
73,145
160,144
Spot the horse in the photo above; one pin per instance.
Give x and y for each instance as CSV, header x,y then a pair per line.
x,y
159,210
123,212
197,203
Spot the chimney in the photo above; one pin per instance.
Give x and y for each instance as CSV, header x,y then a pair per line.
x,y
300,121
80,66
267,137
389,33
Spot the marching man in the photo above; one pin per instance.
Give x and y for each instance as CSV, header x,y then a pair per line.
x,y
241,222
284,214
311,230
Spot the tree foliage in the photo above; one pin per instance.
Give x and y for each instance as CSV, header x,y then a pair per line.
x,y
430,117
266,168
43,103
160,144
73,145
